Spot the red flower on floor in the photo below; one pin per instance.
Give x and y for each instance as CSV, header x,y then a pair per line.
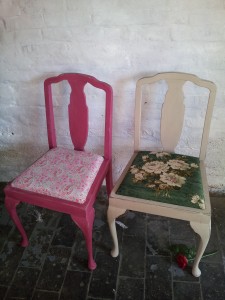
x,y
182,260
184,254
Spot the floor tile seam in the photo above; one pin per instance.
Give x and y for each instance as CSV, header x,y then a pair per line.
x,y
28,267
128,277
201,292
45,291
223,258
221,244
4,298
3,246
9,234
171,261
145,258
91,275
16,269
10,285
191,282
7,288
71,254
47,250
211,263
53,228
60,290
120,256
69,260
42,265
79,271
88,298
187,281
35,286
57,292
159,255
131,235
219,241
61,246
172,256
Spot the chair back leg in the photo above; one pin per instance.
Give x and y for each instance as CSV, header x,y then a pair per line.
x,y
109,180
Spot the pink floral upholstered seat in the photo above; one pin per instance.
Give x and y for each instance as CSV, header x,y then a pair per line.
x,y
61,173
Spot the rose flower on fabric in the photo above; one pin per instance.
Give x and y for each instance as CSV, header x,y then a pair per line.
x,y
172,179
156,167
181,260
177,164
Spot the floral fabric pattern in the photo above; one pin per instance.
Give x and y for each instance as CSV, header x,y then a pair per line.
x,y
165,177
62,173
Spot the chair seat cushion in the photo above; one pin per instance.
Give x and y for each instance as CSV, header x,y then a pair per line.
x,y
61,173
165,177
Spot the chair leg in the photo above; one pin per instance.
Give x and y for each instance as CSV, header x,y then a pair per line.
x,y
86,226
109,181
203,230
10,205
112,214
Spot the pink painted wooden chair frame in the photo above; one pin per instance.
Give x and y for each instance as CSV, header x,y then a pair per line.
x,y
82,214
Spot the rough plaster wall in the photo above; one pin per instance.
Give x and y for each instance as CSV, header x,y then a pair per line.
x,y
116,41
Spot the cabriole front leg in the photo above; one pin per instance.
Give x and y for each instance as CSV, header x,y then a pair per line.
x,y
86,226
203,230
112,214
10,205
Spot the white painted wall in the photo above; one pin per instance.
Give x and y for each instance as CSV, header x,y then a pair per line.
x,y
117,41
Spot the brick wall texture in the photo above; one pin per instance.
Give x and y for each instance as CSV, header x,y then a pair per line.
x,y
117,42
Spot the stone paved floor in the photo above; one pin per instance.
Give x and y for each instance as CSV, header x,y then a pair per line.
x,y
54,265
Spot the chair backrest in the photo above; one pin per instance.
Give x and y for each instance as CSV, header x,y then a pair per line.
x,y
78,110
172,114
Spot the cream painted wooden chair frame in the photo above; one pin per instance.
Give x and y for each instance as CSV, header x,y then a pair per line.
x,y
173,109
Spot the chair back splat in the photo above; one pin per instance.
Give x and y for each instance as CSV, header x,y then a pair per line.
x,y
78,110
158,180
63,179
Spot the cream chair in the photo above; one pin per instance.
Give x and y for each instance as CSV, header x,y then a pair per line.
x,y
162,182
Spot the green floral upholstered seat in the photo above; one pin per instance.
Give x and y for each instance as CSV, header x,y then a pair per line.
x,y
164,177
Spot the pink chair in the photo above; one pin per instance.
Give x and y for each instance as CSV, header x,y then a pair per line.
x,y
67,180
